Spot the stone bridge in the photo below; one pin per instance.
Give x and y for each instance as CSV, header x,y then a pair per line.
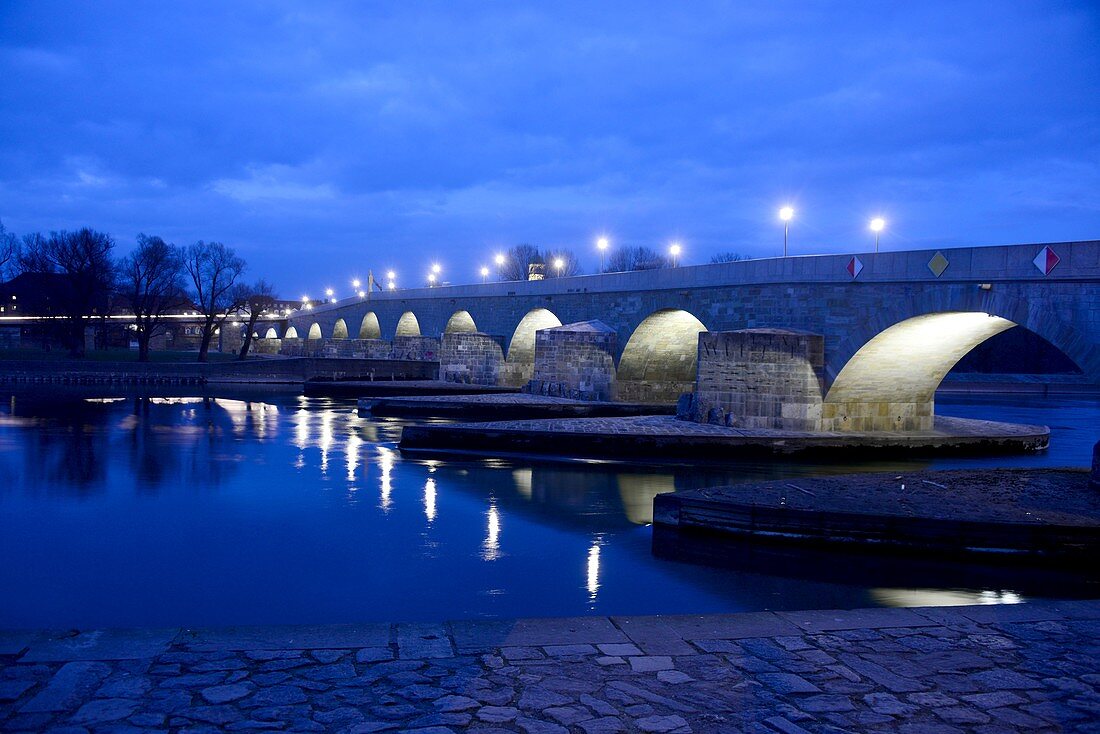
x,y
891,324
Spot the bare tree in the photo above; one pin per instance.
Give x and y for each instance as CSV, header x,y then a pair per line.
x,y
84,257
258,298
570,265
151,282
727,257
634,258
9,251
517,262
33,256
213,270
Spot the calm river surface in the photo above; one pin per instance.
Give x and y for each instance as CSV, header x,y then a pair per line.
x,y
265,508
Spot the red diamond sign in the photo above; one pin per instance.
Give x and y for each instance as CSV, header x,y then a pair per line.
x,y
854,266
1046,260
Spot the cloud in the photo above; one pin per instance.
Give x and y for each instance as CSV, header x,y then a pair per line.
x,y
273,183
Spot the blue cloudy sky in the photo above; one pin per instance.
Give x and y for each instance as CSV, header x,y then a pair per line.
x,y
322,139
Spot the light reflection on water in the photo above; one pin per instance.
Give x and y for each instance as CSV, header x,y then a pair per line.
x,y
257,509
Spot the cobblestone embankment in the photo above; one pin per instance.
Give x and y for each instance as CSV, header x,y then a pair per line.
x,y
985,669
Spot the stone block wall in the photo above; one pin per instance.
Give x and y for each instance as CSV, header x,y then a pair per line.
x,y
424,348
575,361
758,378
471,358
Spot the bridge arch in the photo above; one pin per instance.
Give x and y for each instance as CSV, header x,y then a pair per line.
x,y
407,325
659,359
886,371
340,329
521,347
369,327
461,322
291,333
271,333
314,331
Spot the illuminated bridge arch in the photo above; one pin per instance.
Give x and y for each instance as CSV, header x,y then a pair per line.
x,y
314,331
658,361
291,333
407,325
340,329
271,333
891,365
521,347
461,322
369,327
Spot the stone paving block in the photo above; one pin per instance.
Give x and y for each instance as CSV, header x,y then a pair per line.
x,y
287,638
667,634
113,644
68,687
415,641
485,635
848,619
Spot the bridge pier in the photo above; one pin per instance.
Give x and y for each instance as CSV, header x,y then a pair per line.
x,y
575,361
471,358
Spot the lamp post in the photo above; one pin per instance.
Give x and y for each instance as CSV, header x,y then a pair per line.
x,y
602,244
877,225
786,214
559,264
431,280
484,275
355,284
674,251
328,293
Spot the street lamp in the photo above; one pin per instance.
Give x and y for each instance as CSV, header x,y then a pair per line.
x,y
431,279
328,292
877,225
355,284
559,264
436,268
484,274
362,294
786,214
602,244
392,285
674,251
391,275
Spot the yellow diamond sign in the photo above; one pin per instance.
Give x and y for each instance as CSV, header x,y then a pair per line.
x,y
938,264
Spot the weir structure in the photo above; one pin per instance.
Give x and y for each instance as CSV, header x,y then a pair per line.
x,y
891,325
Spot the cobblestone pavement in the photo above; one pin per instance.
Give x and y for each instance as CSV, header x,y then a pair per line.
x,y
989,669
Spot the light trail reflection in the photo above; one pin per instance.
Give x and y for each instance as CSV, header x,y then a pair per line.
x,y
385,465
429,499
490,549
593,570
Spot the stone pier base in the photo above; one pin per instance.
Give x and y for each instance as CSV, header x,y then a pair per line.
x,y
758,378
471,358
416,347
575,361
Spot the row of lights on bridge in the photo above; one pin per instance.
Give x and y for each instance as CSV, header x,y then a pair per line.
x,y
603,243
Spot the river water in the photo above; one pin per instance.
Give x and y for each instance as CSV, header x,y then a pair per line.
x,y
271,508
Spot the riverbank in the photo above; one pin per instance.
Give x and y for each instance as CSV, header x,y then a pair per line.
x,y
276,370
943,669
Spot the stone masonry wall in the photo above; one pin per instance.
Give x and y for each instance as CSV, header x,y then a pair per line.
x,y
471,358
758,378
416,347
575,361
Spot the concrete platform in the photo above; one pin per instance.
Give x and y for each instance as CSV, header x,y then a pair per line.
x,y
1039,513
379,388
1032,666
657,438
505,407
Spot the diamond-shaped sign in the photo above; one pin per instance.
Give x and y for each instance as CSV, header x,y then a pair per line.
x,y
1046,260
854,266
938,264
